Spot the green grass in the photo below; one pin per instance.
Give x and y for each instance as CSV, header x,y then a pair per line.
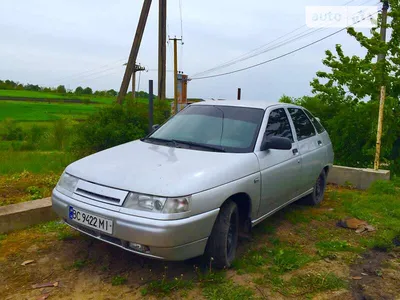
x,y
380,208
277,259
33,111
164,287
34,94
305,285
118,280
53,226
55,96
227,290
33,161
335,245
79,264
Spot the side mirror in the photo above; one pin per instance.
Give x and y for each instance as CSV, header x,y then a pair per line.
x,y
278,143
155,127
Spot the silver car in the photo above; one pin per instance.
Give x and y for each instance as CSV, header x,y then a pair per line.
x,y
189,188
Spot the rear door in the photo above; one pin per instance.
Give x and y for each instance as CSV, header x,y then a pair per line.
x,y
280,169
310,147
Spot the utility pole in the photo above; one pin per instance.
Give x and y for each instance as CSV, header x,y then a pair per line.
x,y
130,66
176,72
138,68
151,121
162,47
381,57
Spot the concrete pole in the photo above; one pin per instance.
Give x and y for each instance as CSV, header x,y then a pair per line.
x,y
130,66
162,48
151,121
382,90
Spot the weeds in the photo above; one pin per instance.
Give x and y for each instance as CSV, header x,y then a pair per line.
x,y
288,259
53,226
335,246
79,264
227,290
165,287
118,280
313,283
34,192
2,237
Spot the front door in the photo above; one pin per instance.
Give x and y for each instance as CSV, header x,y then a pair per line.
x,y
280,169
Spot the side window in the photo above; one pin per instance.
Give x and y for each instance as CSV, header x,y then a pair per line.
x,y
315,122
278,125
304,128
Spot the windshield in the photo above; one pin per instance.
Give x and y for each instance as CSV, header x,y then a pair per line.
x,y
232,129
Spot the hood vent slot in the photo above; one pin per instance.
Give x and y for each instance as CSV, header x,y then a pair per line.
x,y
100,193
95,196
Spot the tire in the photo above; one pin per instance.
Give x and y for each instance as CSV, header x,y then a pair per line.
x,y
317,195
222,243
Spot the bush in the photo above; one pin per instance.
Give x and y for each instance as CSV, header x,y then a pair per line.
x,y
12,132
113,126
60,133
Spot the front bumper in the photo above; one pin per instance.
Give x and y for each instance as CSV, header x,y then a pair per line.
x,y
167,239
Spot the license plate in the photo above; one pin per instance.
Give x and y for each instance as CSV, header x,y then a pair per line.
x,y
90,220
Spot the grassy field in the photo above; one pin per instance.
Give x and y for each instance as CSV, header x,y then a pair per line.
x,y
33,95
38,162
33,111
299,253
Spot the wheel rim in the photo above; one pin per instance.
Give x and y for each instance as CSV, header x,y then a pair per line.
x,y
319,188
230,243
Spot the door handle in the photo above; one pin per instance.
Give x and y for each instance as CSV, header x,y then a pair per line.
x,y
319,143
295,151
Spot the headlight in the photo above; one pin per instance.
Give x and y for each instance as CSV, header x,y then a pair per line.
x,y
67,182
157,204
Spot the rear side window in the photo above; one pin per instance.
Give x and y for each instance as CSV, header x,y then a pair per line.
x,y
302,124
278,125
315,122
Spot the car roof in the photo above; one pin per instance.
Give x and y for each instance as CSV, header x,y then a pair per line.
x,y
243,103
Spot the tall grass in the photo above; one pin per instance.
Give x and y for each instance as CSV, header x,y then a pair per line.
x,y
33,161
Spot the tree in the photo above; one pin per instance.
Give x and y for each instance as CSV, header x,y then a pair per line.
x,y
87,91
112,93
79,90
349,92
61,89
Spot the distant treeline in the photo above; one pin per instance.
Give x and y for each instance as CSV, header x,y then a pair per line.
x,y
79,91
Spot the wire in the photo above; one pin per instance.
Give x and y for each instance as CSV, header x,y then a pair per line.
x,y
80,74
256,52
138,86
283,55
180,13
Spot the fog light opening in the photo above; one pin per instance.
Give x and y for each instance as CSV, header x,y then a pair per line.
x,y
139,247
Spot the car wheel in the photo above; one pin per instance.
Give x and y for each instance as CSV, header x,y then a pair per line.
x,y
222,243
317,195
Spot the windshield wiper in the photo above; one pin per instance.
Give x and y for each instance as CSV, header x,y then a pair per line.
x,y
215,148
152,139
176,142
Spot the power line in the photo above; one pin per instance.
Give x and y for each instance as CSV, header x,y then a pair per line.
x,y
260,50
79,74
281,56
180,13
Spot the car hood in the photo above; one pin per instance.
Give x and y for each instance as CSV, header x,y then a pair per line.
x,y
161,170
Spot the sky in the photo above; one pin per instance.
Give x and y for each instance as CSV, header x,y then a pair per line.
x,y
86,43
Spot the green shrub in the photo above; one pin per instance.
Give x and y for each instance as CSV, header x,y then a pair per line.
x,y
60,134
113,126
12,132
